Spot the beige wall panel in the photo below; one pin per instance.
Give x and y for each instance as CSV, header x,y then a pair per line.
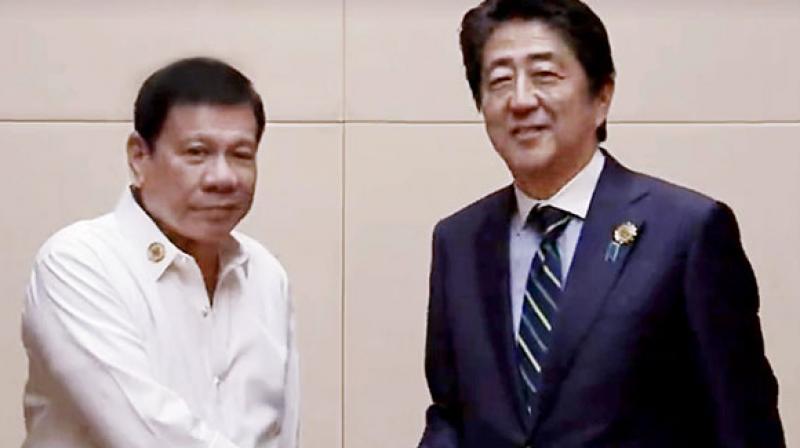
x,y
57,173
83,59
677,61
401,179
402,61
717,60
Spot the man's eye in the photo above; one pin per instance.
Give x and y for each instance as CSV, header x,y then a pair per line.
x,y
546,76
244,154
499,81
196,151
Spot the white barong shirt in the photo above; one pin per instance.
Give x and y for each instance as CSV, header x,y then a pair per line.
x,y
125,349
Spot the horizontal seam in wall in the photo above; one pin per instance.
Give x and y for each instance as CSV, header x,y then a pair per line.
x,y
431,122
613,122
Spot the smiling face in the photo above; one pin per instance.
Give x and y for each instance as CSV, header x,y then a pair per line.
x,y
198,179
539,112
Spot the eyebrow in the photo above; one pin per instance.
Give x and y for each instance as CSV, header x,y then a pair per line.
x,y
203,137
535,57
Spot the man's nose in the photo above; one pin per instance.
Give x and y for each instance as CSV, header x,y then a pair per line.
x,y
220,175
525,96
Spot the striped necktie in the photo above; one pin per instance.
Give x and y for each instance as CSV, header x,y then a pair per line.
x,y
540,306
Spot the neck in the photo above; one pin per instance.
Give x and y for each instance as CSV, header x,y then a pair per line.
x,y
206,256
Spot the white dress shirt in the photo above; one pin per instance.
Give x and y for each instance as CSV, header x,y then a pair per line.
x,y
574,197
125,350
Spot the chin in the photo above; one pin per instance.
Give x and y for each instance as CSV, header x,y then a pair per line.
x,y
531,161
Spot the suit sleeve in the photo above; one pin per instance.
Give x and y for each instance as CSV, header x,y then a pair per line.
x,y
442,417
722,306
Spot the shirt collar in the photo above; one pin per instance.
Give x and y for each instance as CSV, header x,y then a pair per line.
x,y
156,250
574,197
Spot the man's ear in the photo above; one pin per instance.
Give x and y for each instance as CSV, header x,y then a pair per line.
x,y
603,99
138,155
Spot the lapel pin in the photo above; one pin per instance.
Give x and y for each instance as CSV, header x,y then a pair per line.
x,y
155,252
624,235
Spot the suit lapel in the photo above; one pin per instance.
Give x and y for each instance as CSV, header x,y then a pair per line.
x,y
592,274
492,250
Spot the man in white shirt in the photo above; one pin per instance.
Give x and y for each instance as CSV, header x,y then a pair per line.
x,y
157,325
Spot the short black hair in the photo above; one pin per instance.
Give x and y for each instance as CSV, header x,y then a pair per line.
x,y
199,80
578,25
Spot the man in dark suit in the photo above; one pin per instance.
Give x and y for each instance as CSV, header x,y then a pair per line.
x,y
585,304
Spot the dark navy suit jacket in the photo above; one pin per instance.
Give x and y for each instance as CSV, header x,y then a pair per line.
x,y
660,347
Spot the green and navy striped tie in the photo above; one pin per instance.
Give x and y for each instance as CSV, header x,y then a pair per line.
x,y
540,305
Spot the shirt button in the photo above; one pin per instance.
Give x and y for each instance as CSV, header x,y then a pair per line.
x,y
205,311
217,381
274,429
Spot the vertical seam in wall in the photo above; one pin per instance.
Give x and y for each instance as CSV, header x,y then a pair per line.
x,y
344,214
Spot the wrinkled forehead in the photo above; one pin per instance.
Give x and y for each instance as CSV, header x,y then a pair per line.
x,y
521,40
228,121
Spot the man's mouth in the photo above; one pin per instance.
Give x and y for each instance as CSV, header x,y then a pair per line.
x,y
218,208
528,132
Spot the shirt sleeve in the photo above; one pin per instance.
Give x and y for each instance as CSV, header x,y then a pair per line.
x,y
78,327
290,428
